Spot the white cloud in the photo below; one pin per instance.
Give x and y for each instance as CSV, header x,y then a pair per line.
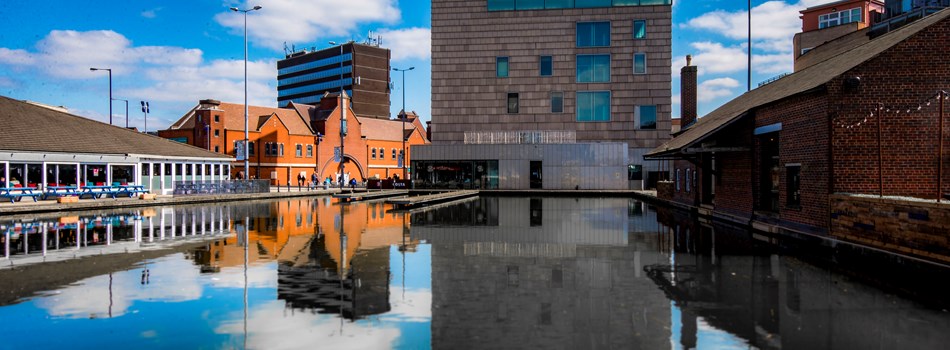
x,y
715,88
151,13
408,43
163,73
301,21
714,58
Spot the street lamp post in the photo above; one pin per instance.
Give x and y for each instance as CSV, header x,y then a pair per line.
x,y
403,116
245,11
110,90
126,111
145,114
342,120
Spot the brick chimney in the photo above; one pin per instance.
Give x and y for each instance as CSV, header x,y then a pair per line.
x,y
687,94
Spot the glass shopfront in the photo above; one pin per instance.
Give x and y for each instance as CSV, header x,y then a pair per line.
x,y
455,174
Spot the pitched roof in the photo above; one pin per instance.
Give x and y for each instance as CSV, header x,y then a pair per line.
x,y
795,83
27,127
234,120
383,129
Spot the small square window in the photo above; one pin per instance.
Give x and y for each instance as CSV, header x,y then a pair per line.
x,y
501,67
394,153
217,132
639,63
639,29
217,118
546,66
646,115
557,102
373,153
217,149
512,102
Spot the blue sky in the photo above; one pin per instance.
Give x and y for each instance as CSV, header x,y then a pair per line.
x,y
174,53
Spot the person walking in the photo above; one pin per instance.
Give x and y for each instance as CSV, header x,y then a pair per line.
x,y
313,180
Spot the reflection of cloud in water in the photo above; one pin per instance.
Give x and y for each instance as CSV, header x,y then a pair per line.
x,y
172,279
416,307
258,276
268,328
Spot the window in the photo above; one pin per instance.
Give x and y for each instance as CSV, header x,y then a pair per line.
x,y
593,34
646,117
250,148
639,29
593,68
591,3
217,149
687,184
557,102
512,102
281,150
546,66
217,132
298,151
217,118
839,18
373,153
309,151
501,5
793,185
394,153
677,179
529,4
639,63
501,67
593,106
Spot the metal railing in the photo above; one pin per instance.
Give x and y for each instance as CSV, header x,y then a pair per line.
x,y
191,188
521,137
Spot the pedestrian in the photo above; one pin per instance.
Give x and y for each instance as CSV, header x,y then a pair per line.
x,y
352,184
313,180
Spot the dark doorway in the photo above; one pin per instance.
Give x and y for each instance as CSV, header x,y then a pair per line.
x,y
708,174
769,172
536,174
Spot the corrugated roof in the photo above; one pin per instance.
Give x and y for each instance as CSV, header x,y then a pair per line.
x,y
795,83
26,127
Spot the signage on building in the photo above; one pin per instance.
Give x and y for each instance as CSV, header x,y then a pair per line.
x,y
336,154
239,150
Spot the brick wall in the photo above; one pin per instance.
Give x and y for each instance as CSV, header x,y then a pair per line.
x,y
898,79
803,141
916,228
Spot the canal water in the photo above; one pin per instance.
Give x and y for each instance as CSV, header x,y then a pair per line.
x,y
486,273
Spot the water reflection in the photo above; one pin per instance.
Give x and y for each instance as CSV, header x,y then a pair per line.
x,y
487,273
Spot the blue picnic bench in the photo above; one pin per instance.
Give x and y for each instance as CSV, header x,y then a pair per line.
x,y
95,192
15,194
59,191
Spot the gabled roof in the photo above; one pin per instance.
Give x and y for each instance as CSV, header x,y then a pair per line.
x,y
795,83
234,118
27,127
384,129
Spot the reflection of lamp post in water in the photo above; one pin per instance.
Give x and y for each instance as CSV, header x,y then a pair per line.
x,y
342,124
342,265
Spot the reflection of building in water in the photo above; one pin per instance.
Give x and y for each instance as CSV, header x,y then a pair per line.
x,y
550,273
318,269
119,231
722,278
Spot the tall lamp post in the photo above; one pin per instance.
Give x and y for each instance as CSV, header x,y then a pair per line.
x,y
342,120
403,117
245,11
110,90
126,110
145,114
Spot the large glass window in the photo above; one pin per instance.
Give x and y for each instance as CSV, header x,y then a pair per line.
x,y
639,29
592,3
529,4
593,106
501,5
639,63
839,18
546,66
558,4
593,34
593,68
647,117
512,102
501,67
557,102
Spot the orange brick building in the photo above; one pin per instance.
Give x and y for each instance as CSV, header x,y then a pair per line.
x,y
299,139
